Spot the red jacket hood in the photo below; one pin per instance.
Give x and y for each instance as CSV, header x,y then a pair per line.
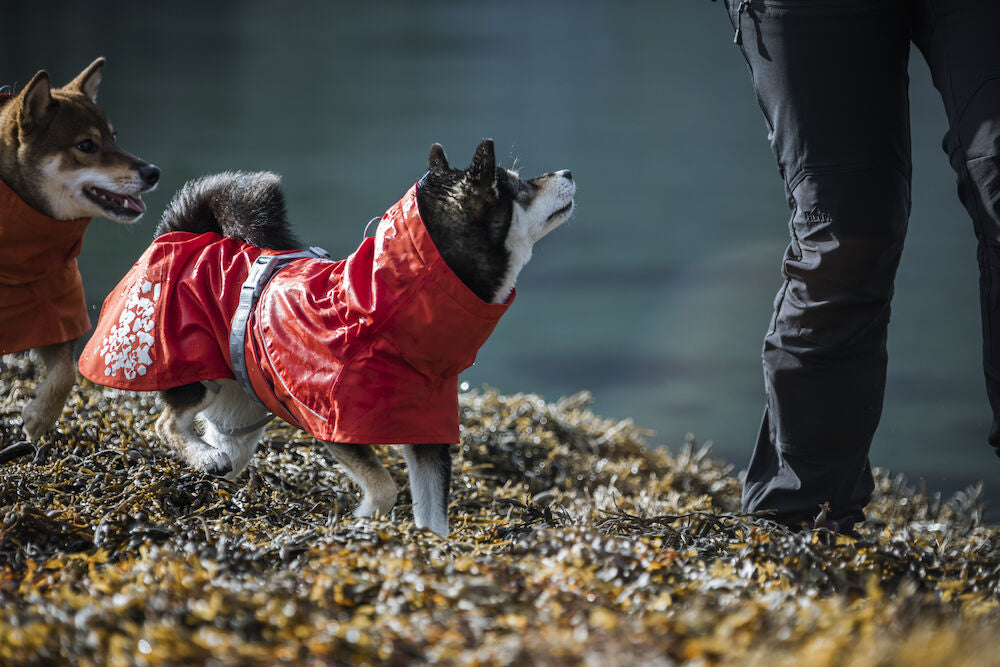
x,y
362,350
41,292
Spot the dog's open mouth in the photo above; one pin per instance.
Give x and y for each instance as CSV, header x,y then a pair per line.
x,y
121,205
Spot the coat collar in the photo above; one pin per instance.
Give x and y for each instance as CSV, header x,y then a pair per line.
x,y
32,243
401,233
438,323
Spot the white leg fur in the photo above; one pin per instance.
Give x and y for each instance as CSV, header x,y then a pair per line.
x,y
232,410
367,471
176,428
430,481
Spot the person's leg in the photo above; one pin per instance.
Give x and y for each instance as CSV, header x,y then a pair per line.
x,y
832,81
959,39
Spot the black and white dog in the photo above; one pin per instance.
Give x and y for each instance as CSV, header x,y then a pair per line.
x,y
357,352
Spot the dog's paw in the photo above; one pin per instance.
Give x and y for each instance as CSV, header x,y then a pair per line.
x,y
38,418
365,510
431,518
380,502
214,462
437,525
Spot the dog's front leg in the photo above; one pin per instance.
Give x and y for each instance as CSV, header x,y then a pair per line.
x,y
367,471
430,483
41,412
234,424
176,427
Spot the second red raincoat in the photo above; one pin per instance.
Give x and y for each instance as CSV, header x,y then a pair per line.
x,y
41,292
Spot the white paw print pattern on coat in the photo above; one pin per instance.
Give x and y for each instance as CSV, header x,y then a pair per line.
x,y
127,346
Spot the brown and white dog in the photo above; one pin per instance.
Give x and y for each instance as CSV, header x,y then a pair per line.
x,y
60,166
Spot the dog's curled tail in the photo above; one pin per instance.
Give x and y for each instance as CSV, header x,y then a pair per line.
x,y
249,206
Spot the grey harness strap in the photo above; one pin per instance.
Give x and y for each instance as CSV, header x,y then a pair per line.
x,y
261,272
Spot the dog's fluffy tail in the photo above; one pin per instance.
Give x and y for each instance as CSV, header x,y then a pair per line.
x,y
249,206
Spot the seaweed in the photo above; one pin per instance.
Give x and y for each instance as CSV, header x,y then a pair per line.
x,y
574,541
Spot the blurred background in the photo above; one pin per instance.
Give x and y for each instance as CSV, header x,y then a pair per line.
x,y
654,297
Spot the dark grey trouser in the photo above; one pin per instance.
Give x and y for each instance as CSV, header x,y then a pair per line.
x,y
831,78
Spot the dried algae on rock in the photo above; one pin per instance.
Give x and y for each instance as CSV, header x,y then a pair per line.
x,y
574,542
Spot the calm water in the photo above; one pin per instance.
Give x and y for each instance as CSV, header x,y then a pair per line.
x,y
654,297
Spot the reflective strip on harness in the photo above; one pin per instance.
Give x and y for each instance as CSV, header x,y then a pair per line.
x,y
261,272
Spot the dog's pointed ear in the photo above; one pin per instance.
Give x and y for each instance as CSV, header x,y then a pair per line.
x,y
437,161
37,105
88,80
482,171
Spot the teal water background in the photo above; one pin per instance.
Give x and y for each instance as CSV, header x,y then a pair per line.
x,y
654,297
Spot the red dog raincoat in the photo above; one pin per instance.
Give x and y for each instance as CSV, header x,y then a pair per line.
x,y
363,350
41,292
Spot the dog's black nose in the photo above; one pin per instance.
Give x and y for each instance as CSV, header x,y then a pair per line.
x,y
149,174
567,174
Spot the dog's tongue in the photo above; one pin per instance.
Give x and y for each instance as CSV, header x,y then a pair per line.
x,y
135,204
126,201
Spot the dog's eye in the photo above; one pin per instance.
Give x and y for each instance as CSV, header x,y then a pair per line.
x,y
86,146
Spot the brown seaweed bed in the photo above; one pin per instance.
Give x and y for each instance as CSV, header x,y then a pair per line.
x,y
573,542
